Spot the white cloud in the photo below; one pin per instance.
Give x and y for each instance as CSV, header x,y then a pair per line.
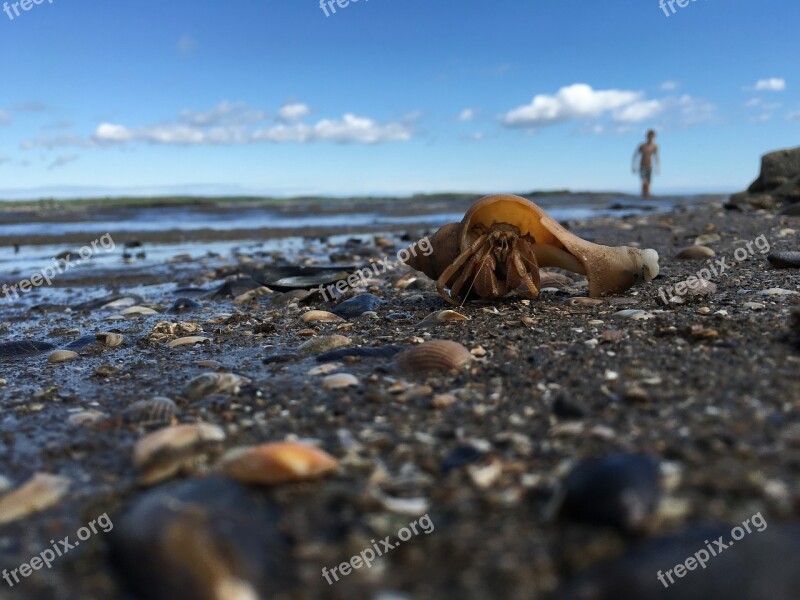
x,y
638,111
186,45
62,160
224,113
773,84
572,102
670,86
466,115
293,111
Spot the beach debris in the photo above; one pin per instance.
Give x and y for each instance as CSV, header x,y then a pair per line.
x,y
62,356
784,260
619,490
338,381
357,306
158,410
23,349
503,241
320,316
166,330
206,539
189,340
277,462
207,384
695,253
324,343
168,451
183,305
442,316
38,493
436,355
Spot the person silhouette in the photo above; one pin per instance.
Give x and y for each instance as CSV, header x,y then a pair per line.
x,y
649,157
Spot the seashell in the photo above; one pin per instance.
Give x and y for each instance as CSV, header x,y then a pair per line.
x,y
38,493
634,314
138,310
112,340
695,253
252,295
208,538
289,278
320,316
277,462
436,355
707,238
516,238
339,381
213,383
619,490
442,316
125,302
23,349
158,410
323,369
163,453
86,417
785,260
62,356
190,340
357,306
324,343
414,507
579,301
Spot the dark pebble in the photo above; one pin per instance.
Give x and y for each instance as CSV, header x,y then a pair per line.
x,y
785,260
363,352
182,305
357,306
618,490
461,457
85,342
569,408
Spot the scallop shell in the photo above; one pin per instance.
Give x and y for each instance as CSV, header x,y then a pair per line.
x,y
158,410
165,452
213,383
320,316
277,462
112,340
38,493
62,356
138,310
436,355
338,381
190,340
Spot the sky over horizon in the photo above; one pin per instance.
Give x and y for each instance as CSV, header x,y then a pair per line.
x,y
387,97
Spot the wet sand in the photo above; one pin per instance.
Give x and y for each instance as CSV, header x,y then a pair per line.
x,y
708,387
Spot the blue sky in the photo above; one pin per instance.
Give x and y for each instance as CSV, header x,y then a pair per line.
x,y
391,96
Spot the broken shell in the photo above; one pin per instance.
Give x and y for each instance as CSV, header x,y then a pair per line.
x,y
320,316
165,452
185,341
252,295
112,340
695,253
158,410
324,343
213,383
339,381
40,492
278,462
524,239
442,316
436,355
62,356
138,310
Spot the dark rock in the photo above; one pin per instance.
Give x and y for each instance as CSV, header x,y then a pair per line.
x,y
777,168
357,306
569,408
387,351
785,260
618,490
204,539
756,568
461,457
83,343
182,305
23,349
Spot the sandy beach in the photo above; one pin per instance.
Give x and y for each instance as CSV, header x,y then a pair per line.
x,y
704,385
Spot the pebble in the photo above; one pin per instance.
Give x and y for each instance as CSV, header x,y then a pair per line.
x,y
38,493
62,356
618,490
633,314
183,305
785,260
356,306
754,305
707,238
695,253
339,381
776,293
320,316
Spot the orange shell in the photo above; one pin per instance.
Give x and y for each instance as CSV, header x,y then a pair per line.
x,y
278,462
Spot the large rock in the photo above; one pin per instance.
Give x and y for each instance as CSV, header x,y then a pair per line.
x,y
777,185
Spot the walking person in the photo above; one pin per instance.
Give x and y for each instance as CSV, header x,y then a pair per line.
x,y
649,155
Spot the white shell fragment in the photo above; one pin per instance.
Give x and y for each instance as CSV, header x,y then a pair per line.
x,y
190,340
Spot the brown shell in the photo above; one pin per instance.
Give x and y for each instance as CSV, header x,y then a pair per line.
x,y
436,355
609,270
278,462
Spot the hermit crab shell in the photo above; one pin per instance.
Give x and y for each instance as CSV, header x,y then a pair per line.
x,y
610,270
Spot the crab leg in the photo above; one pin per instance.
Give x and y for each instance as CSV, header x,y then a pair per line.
x,y
450,271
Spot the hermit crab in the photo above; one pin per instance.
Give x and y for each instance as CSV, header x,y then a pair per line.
x,y
502,242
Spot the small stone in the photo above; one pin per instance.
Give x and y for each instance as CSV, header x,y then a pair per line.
x,y
443,400
695,253
62,356
754,305
785,260
776,293
633,314
339,381
707,238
